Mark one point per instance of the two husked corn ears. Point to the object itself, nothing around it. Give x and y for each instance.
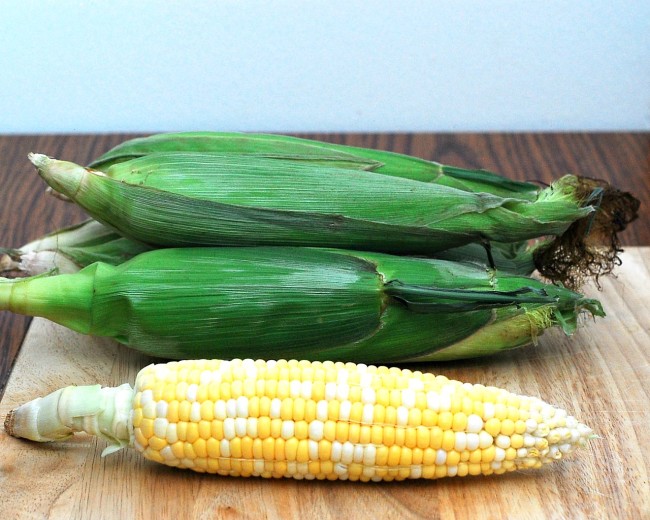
(309, 420)
(311, 303)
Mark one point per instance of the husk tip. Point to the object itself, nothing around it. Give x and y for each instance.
(39, 160)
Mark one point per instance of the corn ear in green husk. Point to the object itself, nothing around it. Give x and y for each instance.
(189, 199)
(72, 248)
(517, 258)
(307, 302)
(318, 152)
(69, 249)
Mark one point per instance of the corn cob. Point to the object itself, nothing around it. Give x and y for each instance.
(298, 302)
(294, 148)
(307, 420)
(178, 199)
(69, 249)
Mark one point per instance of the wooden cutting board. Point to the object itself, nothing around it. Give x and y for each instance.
(601, 375)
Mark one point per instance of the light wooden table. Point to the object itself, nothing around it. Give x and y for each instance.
(601, 374)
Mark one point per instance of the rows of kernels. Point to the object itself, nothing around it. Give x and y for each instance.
(336, 420)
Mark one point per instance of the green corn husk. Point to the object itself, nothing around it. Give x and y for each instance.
(517, 258)
(189, 199)
(306, 302)
(72, 248)
(295, 148)
(514, 258)
(589, 248)
(69, 249)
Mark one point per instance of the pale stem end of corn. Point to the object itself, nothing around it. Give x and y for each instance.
(8, 261)
(39, 262)
(91, 409)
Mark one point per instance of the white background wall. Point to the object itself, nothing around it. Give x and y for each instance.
(88, 66)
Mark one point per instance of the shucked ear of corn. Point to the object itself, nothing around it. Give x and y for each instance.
(187, 199)
(298, 302)
(307, 150)
(300, 419)
(70, 249)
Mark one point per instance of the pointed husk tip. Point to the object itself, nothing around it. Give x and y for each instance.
(39, 160)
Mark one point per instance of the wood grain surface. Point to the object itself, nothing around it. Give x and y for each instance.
(601, 374)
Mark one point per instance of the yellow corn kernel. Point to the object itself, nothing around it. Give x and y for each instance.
(436, 438)
(192, 432)
(137, 417)
(448, 440)
(291, 448)
(200, 448)
(247, 447)
(453, 458)
(445, 420)
(516, 441)
(268, 449)
(342, 431)
(301, 430)
(475, 456)
(184, 409)
(276, 428)
(488, 454)
(354, 433)
(280, 452)
(310, 410)
(459, 422)
(429, 418)
(178, 449)
(365, 435)
(400, 436)
(146, 428)
(394, 455)
(507, 427)
(154, 455)
(493, 426)
(441, 471)
(140, 439)
(212, 448)
(329, 430)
